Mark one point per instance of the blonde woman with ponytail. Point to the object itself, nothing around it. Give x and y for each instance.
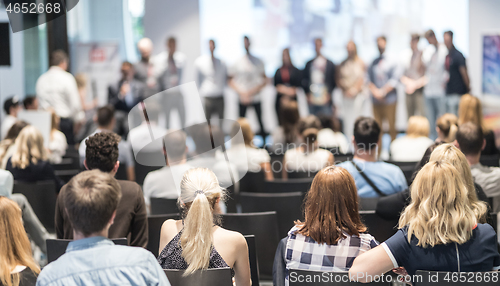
(438, 231)
(196, 242)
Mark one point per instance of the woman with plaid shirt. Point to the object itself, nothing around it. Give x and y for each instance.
(332, 235)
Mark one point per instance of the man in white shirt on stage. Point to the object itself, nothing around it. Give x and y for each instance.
(211, 79)
(57, 89)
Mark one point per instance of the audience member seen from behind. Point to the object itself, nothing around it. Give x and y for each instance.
(438, 231)
(196, 242)
(391, 206)
(245, 155)
(308, 157)
(287, 135)
(17, 267)
(165, 182)
(29, 162)
(286, 80)
(412, 147)
(471, 110)
(332, 228)
(8, 146)
(91, 200)
(105, 123)
(351, 80)
(30, 102)
(470, 140)
(11, 107)
(131, 215)
(380, 178)
(57, 143)
(330, 136)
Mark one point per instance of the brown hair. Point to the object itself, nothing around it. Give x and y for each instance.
(246, 130)
(90, 199)
(471, 110)
(57, 57)
(447, 123)
(331, 207)
(15, 248)
(290, 118)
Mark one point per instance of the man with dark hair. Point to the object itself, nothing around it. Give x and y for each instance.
(434, 58)
(384, 77)
(124, 95)
(105, 120)
(165, 182)
(413, 78)
(458, 82)
(11, 107)
(169, 66)
(319, 82)
(131, 220)
(57, 89)
(470, 140)
(91, 204)
(30, 102)
(373, 178)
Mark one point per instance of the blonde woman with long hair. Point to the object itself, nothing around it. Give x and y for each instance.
(17, 267)
(438, 231)
(196, 242)
(29, 162)
(470, 110)
(451, 154)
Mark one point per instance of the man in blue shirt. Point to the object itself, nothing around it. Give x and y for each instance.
(387, 178)
(91, 199)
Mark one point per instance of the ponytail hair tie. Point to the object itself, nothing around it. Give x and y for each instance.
(198, 192)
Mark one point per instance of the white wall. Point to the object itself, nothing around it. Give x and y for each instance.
(12, 78)
(483, 16)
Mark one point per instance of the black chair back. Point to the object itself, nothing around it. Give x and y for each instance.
(141, 172)
(298, 277)
(342, 158)
(301, 175)
(288, 207)
(163, 206)
(490, 160)
(287, 186)
(252, 256)
(252, 182)
(368, 204)
(494, 220)
(264, 226)
(439, 278)
(380, 228)
(407, 167)
(67, 174)
(42, 198)
(210, 277)
(276, 165)
(57, 247)
(155, 223)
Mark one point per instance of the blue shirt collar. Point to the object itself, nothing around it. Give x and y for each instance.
(87, 243)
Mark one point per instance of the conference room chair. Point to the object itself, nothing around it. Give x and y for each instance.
(252, 182)
(264, 226)
(252, 256)
(494, 220)
(288, 207)
(380, 228)
(42, 198)
(57, 247)
(210, 277)
(339, 158)
(407, 167)
(368, 204)
(155, 223)
(142, 171)
(163, 206)
(301, 175)
(441, 278)
(490, 160)
(298, 277)
(276, 164)
(287, 186)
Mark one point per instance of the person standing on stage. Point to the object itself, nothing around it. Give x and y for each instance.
(319, 82)
(211, 78)
(144, 69)
(169, 65)
(286, 79)
(436, 77)
(248, 78)
(458, 83)
(351, 79)
(413, 79)
(384, 77)
(57, 89)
